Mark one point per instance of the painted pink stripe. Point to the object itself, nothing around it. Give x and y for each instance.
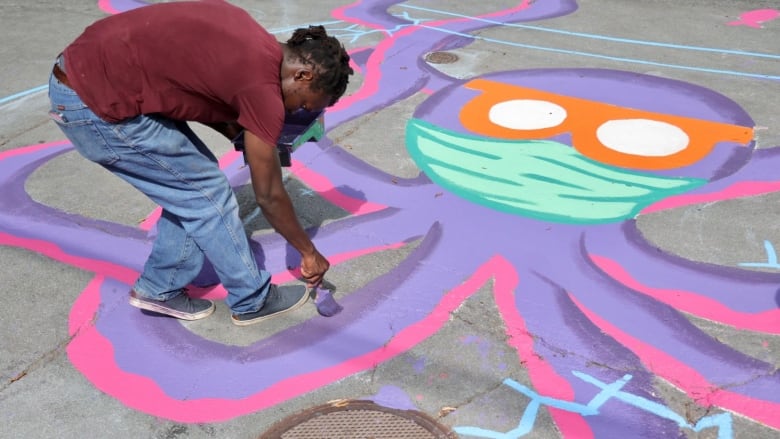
(30, 149)
(544, 378)
(373, 71)
(93, 355)
(317, 181)
(524, 4)
(325, 188)
(115, 271)
(229, 157)
(741, 189)
(755, 18)
(687, 378)
(695, 304)
(107, 7)
(151, 220)
(85, 306)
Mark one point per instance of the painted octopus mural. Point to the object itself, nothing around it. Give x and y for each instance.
(554, 163)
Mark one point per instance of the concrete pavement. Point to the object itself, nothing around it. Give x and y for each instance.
(564, 230)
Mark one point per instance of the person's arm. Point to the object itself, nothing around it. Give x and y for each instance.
(274, 201)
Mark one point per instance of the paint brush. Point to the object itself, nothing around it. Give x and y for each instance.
(325, 303)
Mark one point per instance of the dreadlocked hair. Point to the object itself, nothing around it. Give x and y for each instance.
(314, 46)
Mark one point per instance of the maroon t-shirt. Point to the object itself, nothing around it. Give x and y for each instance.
(204, 61)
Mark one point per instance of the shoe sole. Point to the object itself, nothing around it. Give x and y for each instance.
(270, 316)
(170, 312)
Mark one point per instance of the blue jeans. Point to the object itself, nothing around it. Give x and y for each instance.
(166, 161)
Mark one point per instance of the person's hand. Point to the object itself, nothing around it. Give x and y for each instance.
(313, 268)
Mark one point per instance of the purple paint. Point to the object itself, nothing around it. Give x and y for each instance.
(419, 365)
(326, 304)
(393, 397)
(553, 261)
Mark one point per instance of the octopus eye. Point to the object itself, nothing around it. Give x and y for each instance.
(642, 137)
(607, 133)
(527, 114)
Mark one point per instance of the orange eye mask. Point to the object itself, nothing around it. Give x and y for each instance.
(610, 134)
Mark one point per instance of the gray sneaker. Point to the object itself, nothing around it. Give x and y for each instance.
(278, 301)
(182, 306)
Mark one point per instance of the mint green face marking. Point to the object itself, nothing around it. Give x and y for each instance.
(535, 178)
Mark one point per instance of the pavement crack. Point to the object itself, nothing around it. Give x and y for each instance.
(47, 356)
(43, 359)
(561, 352)
(449, 409)
(746, 381)
(350, 131)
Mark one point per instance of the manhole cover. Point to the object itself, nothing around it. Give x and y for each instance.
(358, 420)
(441, 57)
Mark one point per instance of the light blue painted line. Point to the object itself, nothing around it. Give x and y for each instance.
(528, 420)
(525, 426)
(23, 94)
(608, 392)
(611, 58)
(771, 257)
(722, 422)
(719, 421)
(599, 37)
(552, 402)
(637, 401)
(481, 432)
(304, 192)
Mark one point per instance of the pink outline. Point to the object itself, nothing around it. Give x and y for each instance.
(544, 378)
(316, 181)
(755, 18)
(692, 303)
(83, 311)
(53, 251)
(687, 378)
(93, 355)
(323, 186)
(107, 7)
(30, 149)
(736, 190)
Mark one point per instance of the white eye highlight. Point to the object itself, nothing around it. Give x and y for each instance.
(642, 137)
(527, 114)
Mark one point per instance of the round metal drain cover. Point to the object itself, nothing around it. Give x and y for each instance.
(358, 420)
(441, 57)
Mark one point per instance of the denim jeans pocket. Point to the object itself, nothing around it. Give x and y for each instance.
(84, 129)
(84, 135)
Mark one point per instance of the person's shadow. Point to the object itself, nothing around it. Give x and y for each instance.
(313, 210)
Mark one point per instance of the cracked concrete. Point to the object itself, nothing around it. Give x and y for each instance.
(458, 374)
